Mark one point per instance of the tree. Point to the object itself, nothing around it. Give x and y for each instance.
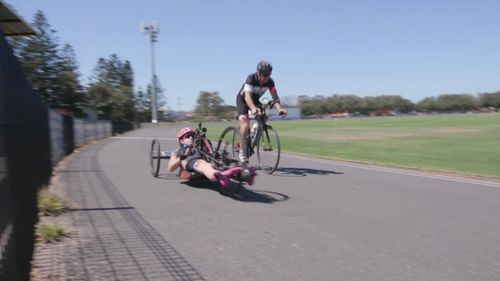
(101, 97)
(111, 90)
(490, 99)
(227, 112)
(379, 105)
(209, 104)
(345, 103)
(456, 102)
(312, 106)
(397, 103)
(142, 106)
(160, 98)
(69, 91)
(39, 59)
(53, 72)
(427, 104)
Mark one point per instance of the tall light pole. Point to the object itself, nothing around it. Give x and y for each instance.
(153, 31)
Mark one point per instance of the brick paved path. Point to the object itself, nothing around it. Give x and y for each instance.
(112, 241)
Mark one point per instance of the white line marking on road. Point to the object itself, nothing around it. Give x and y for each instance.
(395, 171)
(142, 138)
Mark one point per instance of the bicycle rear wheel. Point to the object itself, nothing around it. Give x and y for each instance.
(155, 157)
(228, 146)
(268, 150)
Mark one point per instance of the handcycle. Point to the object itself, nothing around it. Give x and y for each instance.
(262, 139)
(219, 158)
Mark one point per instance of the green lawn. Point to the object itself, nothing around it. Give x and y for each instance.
(464, 143)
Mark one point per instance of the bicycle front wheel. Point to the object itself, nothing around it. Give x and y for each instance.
(268, 150)
(228, 146)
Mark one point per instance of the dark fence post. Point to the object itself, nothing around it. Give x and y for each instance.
(69, 137)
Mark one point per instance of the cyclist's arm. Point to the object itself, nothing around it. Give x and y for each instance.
(174, 162)
(276, 98)
(249, 101)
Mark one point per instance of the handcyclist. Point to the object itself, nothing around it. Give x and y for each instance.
(255, 86)
(191, 160)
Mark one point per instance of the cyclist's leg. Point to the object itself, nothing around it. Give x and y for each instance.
(244, 124)
(202, 166)
(243, 108)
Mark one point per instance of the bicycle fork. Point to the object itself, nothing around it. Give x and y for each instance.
(265, 140)
(249, 146)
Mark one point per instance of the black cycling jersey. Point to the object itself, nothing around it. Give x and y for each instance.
(253, 86)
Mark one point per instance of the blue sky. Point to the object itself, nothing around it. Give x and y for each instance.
(414, 49)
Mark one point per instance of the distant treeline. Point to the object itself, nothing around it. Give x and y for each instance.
(382, 105)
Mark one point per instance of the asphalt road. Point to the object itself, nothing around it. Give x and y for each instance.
(315, 219)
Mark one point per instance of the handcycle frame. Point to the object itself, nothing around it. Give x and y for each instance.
(261, 140)
(219, 159)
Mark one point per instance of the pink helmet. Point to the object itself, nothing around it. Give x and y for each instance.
(184, 131)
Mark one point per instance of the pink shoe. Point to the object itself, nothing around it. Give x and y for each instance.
(232, 171)
(253, 170)
(251, 179)
(223, 179)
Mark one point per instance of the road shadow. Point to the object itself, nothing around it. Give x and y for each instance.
(302, 172)
(262, 196)
(101, 209)
(238, 192)
(168, 176)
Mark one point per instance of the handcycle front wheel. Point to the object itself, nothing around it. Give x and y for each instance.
(268, 150)
(155, 157)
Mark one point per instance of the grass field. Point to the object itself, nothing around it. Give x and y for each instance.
(461, 143)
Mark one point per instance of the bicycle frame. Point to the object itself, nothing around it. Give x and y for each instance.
(265, 142)
(261, 128)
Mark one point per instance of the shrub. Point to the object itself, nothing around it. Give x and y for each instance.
(51, 232)
(51, 204)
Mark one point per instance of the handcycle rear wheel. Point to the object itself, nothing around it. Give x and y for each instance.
(268, 150)
(155, 157)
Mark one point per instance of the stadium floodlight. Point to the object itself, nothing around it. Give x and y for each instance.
(153, 31)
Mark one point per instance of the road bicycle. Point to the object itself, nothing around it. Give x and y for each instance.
(263, 139)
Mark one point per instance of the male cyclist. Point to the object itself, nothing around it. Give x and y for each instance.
(255, 86)
(192, 161)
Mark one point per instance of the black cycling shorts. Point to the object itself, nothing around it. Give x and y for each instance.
(242, 106)
(191, 160)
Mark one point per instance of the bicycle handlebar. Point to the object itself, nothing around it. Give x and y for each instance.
(269, 105)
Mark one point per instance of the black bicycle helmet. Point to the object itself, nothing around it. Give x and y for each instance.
(264, 67)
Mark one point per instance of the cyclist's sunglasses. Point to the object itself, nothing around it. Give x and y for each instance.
(265, 75)
(188, 135)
